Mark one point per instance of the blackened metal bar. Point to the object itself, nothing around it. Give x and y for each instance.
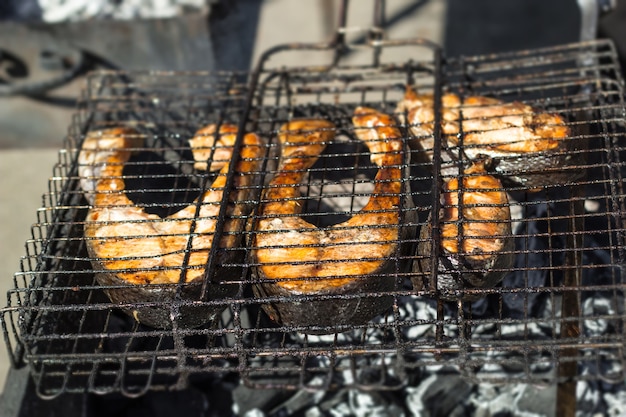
(570, 308)
(377, 32)
(616, 183)
(379, 14)
(339, 43)
(340, 36)
(400, 254)
(209, 275)
(435, 188)
(32, 321)
(16, 354)
(239, 347)
(460, 187)
(464, 326)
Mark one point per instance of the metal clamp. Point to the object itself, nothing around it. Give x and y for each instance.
(591, 11)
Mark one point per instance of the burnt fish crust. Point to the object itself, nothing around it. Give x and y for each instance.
(162, 297)
(476, 242)
(139, 257)
(527, 147)
(333, 276)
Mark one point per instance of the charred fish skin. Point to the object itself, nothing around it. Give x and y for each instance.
(331, 277)
(155, 305)
(139, 258)
(476, 241)
(528, 147)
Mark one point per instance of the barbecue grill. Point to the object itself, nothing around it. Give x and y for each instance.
(557, 317)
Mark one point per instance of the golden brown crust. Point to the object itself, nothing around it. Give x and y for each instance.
(207, 145)
(487, 123)
(485, 215)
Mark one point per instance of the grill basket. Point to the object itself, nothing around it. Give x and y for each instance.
(557, 316)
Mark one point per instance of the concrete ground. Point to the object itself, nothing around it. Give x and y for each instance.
(29, 145)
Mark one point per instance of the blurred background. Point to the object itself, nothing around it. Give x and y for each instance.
(47, 47)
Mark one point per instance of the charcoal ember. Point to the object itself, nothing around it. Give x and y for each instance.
(439, 395)
(502, 366)
(248, 401)
(314, 411)
(602, 304)
(357, 403)
(340, 410)
(323, 339)
(370, 371)
(615, 403)
(595, 307)
(521, 331)
(335, 403)
(536, 330)
(411, 308)
(491, 369)
(603, 373)
(505, 366)
(374, 334)
(372, 404)
(611, 369)
(255, 412)
(511, 400)
(536, 400)
(588, 398)
(300, 400)
(484, 329)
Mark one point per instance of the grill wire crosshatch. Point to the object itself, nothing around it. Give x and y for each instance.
(560, 304)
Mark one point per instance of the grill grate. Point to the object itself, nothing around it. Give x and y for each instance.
(560, 305)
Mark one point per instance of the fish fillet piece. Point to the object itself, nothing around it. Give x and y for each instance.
(520, 139)
(139, 247)
(289, 248)
(476, 241)
(486, 216)
(353, 263)
(486, 123)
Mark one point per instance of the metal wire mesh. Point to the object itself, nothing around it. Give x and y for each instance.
(557, 314)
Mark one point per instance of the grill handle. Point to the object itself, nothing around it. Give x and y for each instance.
(375, 33)
(590, 12)
(375, 40)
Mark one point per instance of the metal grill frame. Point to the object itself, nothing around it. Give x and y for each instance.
(457, 75)
(138, 359)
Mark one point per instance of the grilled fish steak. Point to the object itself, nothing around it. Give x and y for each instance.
(526, 146)
(476, 243)
(138, 250)
(358, 256)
